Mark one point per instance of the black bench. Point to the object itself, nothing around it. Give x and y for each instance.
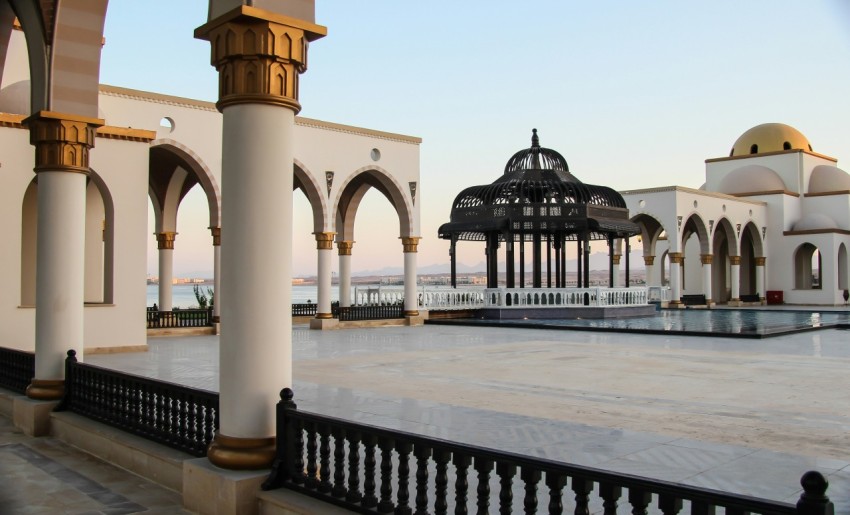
(694, 300)
(750, 298)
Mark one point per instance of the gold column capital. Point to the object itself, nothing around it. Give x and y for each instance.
(648, 260)
(410, 244)
(735, 260)
(165, 240)
(259, 55)
(216, 236)
(324, 240)
(616, 259)
(62, 141)
(344, 247)
(677, 257)
(760, 261)
(706, 259)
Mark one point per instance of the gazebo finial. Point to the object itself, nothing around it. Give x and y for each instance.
(535, 141)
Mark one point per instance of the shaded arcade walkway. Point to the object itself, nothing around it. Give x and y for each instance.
(746, 416)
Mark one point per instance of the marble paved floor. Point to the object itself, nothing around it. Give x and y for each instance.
(42, 476)
(745, 416)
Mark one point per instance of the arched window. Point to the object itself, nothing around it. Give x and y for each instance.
(807, 267)
(786, 146)
(754, 149)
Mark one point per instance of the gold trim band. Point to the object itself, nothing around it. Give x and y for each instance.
(216, 236)
(324, 240)
(46, 389)
(648, 260)
(344, 247)
(735, 260)
(62, 141)
(760, 261)
(324, 316)
(615, 259)
(410, 244)
(165, 240)
(706, 259)
(233, 453)
(411, 313)
(677, 257)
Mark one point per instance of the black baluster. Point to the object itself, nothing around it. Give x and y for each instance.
(483, 466)
(582, 488)
(403, 450)
(386, 504)
(339, 463)
(702, 508)
(369, 498)
(422, 453)
(530, 477)
(353, 495)
(461, 463)
(610, 494)
(312, 464)
(173, 411)
(639, 501)
(297, 463)
(813, 500)
(506, 473)
(192, 421)
(160, 413)
(669, 505)
(441, 481)
(325, 485)
(556, 483)
(210, 422)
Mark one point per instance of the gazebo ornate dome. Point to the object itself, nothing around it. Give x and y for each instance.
(828, 179)
(751, 179)
(770, 137)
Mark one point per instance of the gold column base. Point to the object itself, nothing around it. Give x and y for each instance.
(324, 316)
(413, 313)
(229, 452)
(216, 319)
(675, 303)
(46, 389)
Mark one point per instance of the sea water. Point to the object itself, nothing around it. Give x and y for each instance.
(183, 295)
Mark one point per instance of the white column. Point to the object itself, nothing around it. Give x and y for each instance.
(62, 144)
(675, 278)
(165, 246)
(735, 279)
(345, 248)
(649, 263)
(411, 302)
(216, 234)
(760, 262)
(616, 269)
(324, 249)
(706, 260)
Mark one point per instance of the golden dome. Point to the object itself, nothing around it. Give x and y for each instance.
(770, 137)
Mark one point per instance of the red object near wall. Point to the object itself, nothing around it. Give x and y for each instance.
(775, 297)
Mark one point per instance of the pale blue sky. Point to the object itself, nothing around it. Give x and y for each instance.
(633, 94)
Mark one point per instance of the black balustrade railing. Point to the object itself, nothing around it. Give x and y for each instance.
(179, 318)
(304, 310)
(355, 313)
(368, 469)
(183, 418)
(17, 368)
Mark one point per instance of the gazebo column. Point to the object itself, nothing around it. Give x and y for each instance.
(345, 272)
(586, 260)
(62, 143)
(735, 280)
(649, 263)
(165, 247)
(760, 262)
(579, 260)
(628, 263)
(216, 235)
(548, 260)
(611, 261)
(615, 270)
(324, 254)
(411, 300)
(258, 98)
(522, 261)
(509, 260)
(453, 260)
(537, 259)
(676, 259)
(558, 249)
(563, 261)
(706, 260)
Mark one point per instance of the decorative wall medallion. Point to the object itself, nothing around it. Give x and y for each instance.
(329, 179)
(413, 192)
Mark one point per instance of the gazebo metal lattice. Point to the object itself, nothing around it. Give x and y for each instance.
(538, 200)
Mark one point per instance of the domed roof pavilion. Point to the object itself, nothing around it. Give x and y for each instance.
(538, 200)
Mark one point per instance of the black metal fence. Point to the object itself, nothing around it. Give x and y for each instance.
(179, 318)
(368, 470)
(177, 416)
(354, 313)
(304, 310)
(17, 368)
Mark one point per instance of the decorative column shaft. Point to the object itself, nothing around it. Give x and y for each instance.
(411, 301)
(676, 260)
(324, 249)
(62, 144)
(345, 248)
(165, 244)
(706, 260)
(615, 270)
(258, 55)
(216, 236)
(735, 277)
(760, 262)
(649, 263)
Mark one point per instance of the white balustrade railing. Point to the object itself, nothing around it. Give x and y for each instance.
(564, 297)
(659, 293)
(428, 298)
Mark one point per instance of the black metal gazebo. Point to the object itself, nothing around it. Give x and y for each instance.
(538, 200)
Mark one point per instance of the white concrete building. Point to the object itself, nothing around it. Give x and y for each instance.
(773, 216)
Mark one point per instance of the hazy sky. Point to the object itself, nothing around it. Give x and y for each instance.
(633, 94)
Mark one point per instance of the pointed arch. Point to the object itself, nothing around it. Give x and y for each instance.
(194, 164)
(843, 268)
(355, 187)
(305, 181)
